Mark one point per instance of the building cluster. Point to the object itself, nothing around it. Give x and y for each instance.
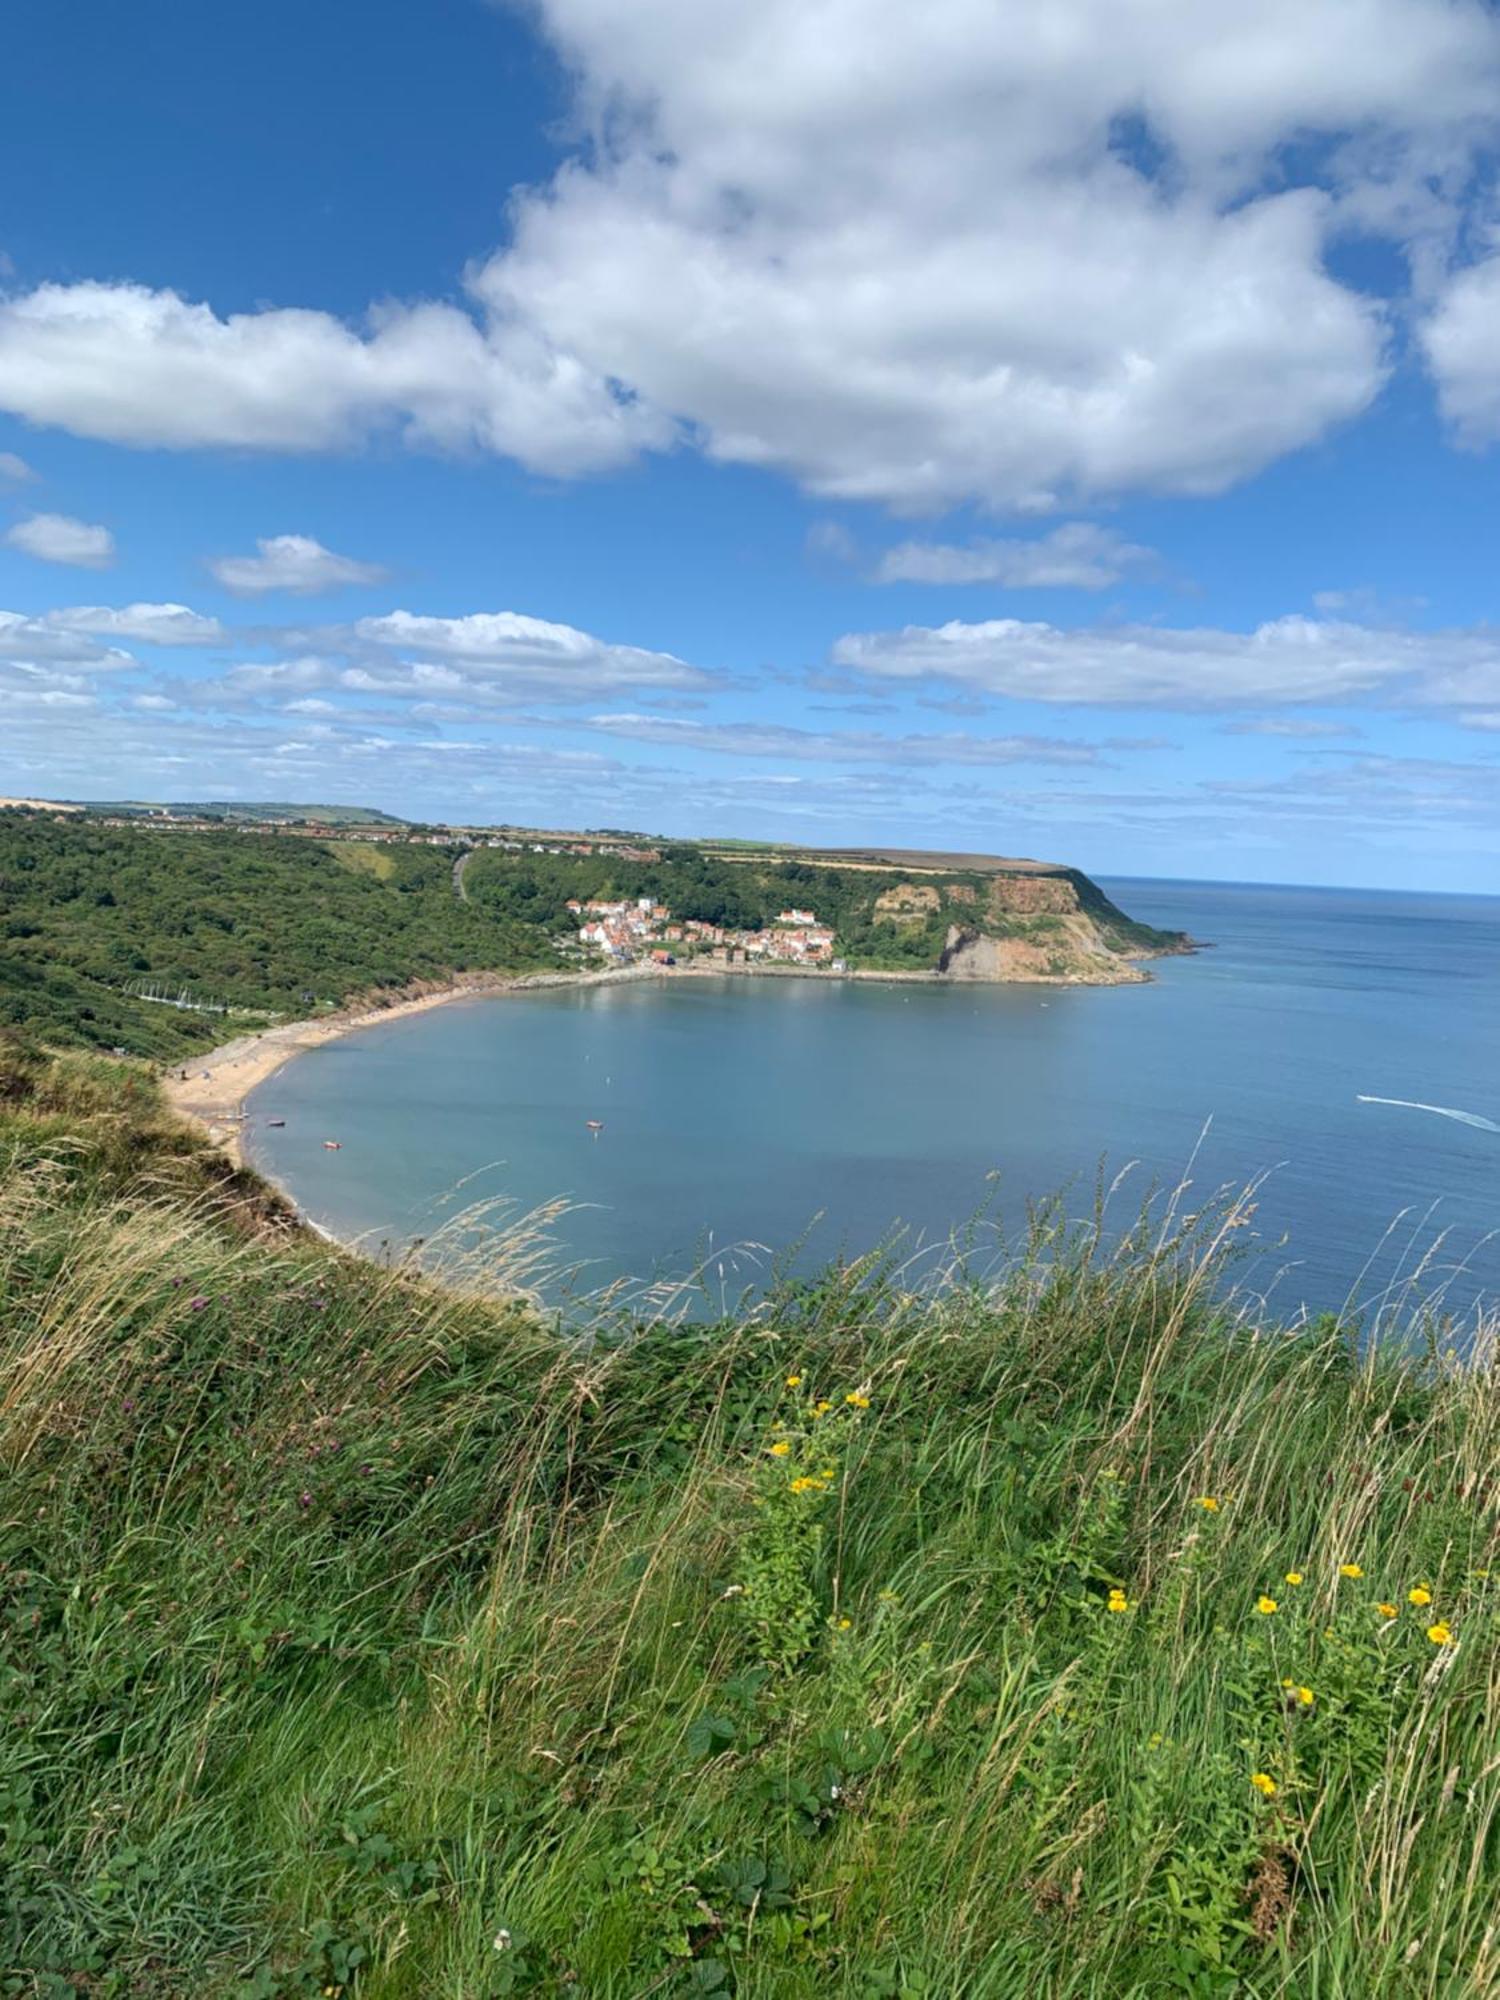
(624, 931)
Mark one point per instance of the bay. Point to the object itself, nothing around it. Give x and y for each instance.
(811, 1116)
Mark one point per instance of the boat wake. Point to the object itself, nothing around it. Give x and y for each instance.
(1438, 1111)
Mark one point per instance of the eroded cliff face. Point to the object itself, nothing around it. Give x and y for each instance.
(1049, 925)
(1072, 953)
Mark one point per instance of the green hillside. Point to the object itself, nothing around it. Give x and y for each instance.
(277, 926)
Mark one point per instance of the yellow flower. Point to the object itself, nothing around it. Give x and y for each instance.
(1421, 1595)
(1350, 1570)
(844, 1624)
(1118, 1601)
(806, 1485)
(1264, 1785)
(1386, 1610)
(858, 1401)
(1440, 1634)
(1208, 1504)
(794, 1381)
(821, 1409)
(781, 1449)
(1294, 1577)
(1306, 1697)
(1266, 1605)
(827, 1471)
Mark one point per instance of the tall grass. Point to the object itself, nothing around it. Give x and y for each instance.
(362, 1634)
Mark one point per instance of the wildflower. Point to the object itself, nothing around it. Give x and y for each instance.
(1440, 1634)
(502, 1940)
(1266, 1605)
(843, 1624)
(1208, 1504)
(1118, 1601)
(806, 1485)
(304, 1499)
(1421, 1595)
(888, 1597)
(1386, 1610)
(1264, 1785)
(1294, 1577)
(1351, 1570)
(781, 1449)
(857, 1400)
(196, 1305)
(821, 1409)
(1306, 1697)
(794, 1381)
(827, 1471)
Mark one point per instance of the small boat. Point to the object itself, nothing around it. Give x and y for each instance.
(275, 1121)
(595, 1125)
(332, 1145)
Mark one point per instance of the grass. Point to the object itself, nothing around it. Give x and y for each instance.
(364, 1636)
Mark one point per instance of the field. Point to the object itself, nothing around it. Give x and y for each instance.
(1061, 1636)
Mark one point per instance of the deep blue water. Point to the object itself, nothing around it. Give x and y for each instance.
(749, 1110)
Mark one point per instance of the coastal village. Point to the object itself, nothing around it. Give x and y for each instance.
(627, 931)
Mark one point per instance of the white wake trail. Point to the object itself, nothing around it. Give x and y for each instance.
(1438, 1111)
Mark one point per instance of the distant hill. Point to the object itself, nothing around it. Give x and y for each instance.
(237, 812)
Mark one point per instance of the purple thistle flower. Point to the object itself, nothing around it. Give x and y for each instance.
(304, 1499)
(197, 1304)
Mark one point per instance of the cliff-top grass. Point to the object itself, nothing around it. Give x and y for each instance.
(1063, 1631)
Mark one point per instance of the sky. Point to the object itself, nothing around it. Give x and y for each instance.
(1060, 427)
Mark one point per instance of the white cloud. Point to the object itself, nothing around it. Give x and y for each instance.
(58, 538)
(294, 563)
(761, 739)
(38, 639)
(1079, 555)
(140, 367)
(913, 255)
(1462, 342)
(1288, 660)
(145, 624)
(1302, 727)
(14, 468)
(484, 660)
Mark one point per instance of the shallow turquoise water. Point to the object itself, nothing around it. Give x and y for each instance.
(739, 1111)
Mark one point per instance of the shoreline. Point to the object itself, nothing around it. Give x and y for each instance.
(209, 1090)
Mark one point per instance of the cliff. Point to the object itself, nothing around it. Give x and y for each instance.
(1033, 924)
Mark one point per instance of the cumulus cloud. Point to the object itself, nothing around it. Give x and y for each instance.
(144, 624)
(1079, 555)
(764, 739)
(142, 367)
(293, 563)
(15, 469)
(1462, 341)
(480, 660)
(910, 255)
(58, 538)
(1288, 660)
(39, 639)
(1300, 727)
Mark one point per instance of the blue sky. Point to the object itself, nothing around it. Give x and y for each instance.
(1062, 429)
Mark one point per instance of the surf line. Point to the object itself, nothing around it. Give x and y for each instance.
(1438, 1110)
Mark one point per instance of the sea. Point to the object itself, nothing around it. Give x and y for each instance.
(1336, 1051)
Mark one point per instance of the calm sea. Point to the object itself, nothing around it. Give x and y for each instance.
(782, 1112)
